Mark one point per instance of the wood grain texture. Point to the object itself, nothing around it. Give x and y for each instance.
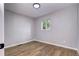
(35, 48)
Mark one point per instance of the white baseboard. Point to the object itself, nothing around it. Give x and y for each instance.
(17, 44)
(43, 42)
(58, 45)
(1, 52)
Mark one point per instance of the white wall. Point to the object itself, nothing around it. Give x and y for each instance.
(78, 28)
(63, 27)
(1, 28)
(18, 29)
(1, 24)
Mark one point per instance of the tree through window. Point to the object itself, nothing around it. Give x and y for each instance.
(45, 25)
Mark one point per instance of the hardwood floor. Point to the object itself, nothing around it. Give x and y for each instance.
(35, 48)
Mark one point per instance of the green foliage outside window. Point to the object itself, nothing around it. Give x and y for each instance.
(45, 24)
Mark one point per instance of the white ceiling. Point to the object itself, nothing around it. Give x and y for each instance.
(28, 10)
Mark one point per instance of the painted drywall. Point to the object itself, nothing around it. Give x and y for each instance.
(1, 28)
(1, 24)
(78, 26)
(28, 10)
(63, 27)
(18, 29)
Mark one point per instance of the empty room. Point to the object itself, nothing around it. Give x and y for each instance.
(41, 29)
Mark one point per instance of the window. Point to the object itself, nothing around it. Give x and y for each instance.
(45, 25)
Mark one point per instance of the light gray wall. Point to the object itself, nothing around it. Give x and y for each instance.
(1, 27)
(1, 24)
(63, 27)
(18, 29)
(78, 27)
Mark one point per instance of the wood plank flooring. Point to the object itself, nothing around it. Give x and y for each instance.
(35, 48)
